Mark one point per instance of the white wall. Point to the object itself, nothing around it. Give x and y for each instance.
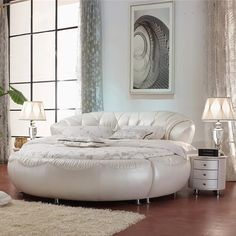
(190, 62)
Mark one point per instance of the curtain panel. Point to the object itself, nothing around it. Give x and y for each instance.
(222, 66)
(4, 80)
(90, 59)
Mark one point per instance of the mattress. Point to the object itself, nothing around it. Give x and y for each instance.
(54, 152)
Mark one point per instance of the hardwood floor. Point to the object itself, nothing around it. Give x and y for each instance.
(165, 216)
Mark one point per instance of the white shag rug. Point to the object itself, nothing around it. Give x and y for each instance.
(35, 218)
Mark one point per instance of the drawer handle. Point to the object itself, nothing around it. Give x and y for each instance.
(204, 174)
(204, 164)
(204, 184)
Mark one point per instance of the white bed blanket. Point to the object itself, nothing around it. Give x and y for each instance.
(50, 149)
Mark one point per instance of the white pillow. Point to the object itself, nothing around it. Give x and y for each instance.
(88, 131)
(4, 198)
(158, 132)
(131, 134)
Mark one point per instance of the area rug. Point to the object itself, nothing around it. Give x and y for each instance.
(35, 218)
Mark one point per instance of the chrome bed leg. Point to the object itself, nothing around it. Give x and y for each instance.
(148, 200)
(138, 202)
(57, 201)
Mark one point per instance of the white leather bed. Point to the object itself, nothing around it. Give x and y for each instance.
(122, 170)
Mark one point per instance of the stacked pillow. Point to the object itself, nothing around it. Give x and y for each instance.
(88, 131)
(125, 132)
(139, 132)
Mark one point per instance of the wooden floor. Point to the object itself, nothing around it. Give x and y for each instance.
(165, 216)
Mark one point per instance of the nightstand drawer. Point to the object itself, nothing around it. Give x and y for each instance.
(205, 174)
(205, 184)
(210, 165)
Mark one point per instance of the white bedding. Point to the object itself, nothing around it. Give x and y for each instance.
(50, 149)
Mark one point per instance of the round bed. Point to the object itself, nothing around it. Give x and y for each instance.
(106, 179)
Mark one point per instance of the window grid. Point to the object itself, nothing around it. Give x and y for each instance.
(32, 82)
(44, 81)
(45, 31)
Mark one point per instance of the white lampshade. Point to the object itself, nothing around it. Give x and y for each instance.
(32, 111)
(218, 109)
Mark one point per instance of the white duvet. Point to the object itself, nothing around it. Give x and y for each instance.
(45, 149)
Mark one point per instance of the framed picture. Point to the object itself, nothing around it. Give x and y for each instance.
(151, 49)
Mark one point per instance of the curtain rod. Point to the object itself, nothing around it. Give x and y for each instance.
(12, 2)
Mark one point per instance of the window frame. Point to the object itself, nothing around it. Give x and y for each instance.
(32, 82)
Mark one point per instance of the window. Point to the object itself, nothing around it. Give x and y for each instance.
(43, 57)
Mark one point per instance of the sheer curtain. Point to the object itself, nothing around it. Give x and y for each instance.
(90, 61)
(222, 66)
(4, 102)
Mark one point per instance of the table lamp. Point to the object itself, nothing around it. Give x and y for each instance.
(32, 111)
(218, 110)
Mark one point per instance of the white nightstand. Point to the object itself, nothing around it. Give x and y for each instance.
(207, 173)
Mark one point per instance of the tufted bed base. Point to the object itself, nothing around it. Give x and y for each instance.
(107, 180)
(120, 180)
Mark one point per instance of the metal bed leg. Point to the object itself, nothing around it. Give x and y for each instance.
(57, 201)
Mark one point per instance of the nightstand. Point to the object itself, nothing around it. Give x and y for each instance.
(207, 173)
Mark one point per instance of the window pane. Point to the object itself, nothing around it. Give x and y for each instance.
(43, 15)
(68, 94)
(45, 92)
(61, 114)
(20, 18)
(43, 127)
(25, 89)
(44, 56)
(18, 127)
(20, 59)
(67, 54)
(68, 12)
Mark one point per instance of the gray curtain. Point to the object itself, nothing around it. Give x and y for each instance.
(4, 80)
(222, 66)
(91, 56)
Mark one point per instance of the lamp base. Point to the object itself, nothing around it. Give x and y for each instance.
(32, 130)
(218, 134)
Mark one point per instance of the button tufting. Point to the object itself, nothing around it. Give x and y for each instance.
(177, 126)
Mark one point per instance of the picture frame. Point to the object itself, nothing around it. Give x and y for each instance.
(152, 48)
